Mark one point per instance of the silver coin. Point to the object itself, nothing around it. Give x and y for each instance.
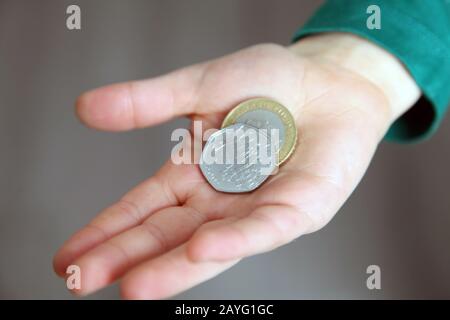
(238, 158)
(264, 119)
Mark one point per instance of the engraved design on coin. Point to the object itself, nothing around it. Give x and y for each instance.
(266, 113)
(237, 159)
(264, 119)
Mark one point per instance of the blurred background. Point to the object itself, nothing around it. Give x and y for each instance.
(55, 174)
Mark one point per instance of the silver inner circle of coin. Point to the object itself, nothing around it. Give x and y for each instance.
(264, 119)
(238, 158)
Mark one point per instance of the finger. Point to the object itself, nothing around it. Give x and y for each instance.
(168, 275)
(141, 103)
(264, 229)
(161, 232)
(158, 192)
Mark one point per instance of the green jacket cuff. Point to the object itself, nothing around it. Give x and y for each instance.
(418, 33)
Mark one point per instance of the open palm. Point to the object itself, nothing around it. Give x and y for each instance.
(174, 230)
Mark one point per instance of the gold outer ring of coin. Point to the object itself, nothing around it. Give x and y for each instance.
(290, 138)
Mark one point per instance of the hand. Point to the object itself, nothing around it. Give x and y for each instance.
(174, 230)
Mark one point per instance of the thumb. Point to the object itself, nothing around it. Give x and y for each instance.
(141, 103)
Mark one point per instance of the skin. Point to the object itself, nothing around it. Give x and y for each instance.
(165, 236)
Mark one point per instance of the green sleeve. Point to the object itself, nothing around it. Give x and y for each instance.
(415, 31)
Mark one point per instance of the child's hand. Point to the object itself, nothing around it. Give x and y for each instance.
(174, 230)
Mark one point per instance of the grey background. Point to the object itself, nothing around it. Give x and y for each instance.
(55, 174)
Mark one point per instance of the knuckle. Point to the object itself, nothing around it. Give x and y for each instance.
(130, 209)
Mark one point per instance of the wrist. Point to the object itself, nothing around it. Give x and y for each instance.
(367, 60)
